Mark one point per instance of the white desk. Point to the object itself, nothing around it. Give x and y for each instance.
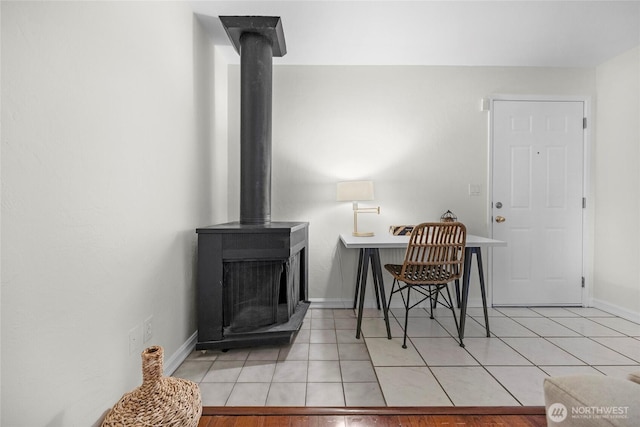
(369, 253)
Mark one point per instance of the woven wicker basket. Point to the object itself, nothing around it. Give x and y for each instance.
(159, 401)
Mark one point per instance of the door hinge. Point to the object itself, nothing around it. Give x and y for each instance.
(583, 281)
(584, 203)
(584, 123)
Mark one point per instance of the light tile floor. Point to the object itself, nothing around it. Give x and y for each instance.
(327, 366)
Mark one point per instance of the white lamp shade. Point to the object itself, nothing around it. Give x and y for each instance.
(352, 191)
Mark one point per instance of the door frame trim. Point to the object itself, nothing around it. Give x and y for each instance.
(587, 214)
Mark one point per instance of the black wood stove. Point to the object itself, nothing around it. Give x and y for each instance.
(252, 278)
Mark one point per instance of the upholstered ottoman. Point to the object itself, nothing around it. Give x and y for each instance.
(592, 400)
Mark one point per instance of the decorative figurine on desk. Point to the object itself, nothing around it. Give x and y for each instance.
(448, 216)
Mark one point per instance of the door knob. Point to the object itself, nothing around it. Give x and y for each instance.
(500, 219)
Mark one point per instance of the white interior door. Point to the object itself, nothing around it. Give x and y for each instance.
(537, 193)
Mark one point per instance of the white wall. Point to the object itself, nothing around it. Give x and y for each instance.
(106, 173)
(617, 185)
(107, 168)
(402, 127)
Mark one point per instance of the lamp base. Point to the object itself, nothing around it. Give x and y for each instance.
(363, 233)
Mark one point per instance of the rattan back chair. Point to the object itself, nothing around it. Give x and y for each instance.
(433, 259)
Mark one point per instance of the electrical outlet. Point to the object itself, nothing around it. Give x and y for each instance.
(148, 328)
(135, 340)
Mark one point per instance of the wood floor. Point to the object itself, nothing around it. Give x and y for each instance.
(378, 417)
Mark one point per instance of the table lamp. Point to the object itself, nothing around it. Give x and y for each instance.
(355, 191)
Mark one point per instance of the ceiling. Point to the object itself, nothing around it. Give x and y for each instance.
(483, 33)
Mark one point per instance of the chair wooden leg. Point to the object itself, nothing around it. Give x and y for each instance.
(406, 317)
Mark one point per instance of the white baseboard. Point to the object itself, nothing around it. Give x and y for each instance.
(334, 303)
(369, 303)
(176, 359)
(616, 309)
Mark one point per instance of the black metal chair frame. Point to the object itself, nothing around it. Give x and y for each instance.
(431, 295)
(428, 289)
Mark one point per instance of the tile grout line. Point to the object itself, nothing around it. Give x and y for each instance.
(425, 362)
(550, 316)
(489, 372)
(569, 337)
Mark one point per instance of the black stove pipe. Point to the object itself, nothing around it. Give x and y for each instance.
(255, 128)
(257, 39)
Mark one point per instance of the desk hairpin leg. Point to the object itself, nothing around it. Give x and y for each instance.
(468, 253)
(363, 271)
(363, 288)
(483, 291)
(380, 285)
(377, 276)
(358, 277)
(371, 255)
